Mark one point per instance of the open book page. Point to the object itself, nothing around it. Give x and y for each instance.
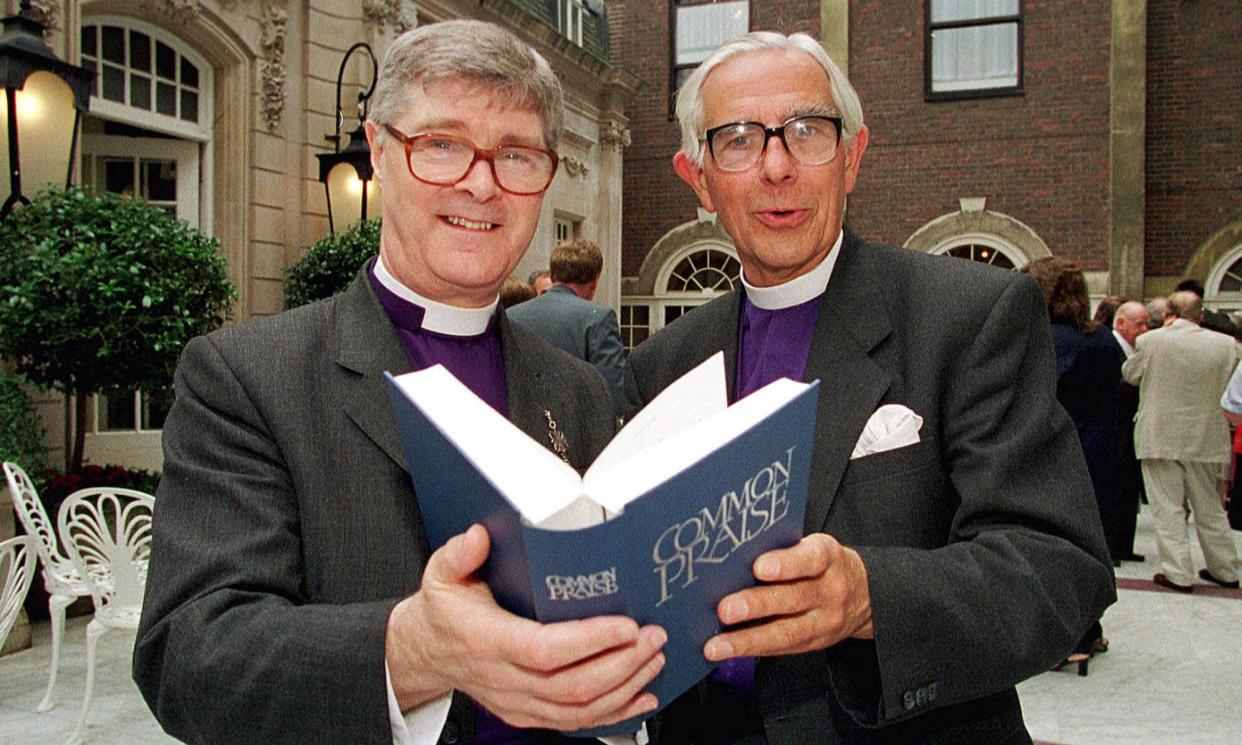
(535, 481)
(618, 485)
(691, 398)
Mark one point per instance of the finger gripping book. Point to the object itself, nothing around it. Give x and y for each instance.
(667, 521)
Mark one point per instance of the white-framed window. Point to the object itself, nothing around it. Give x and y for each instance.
(144, 72)
(569, 19)
(565, 229)
(690, 278)
(699, 27)
(1223, 289)
(973, 48)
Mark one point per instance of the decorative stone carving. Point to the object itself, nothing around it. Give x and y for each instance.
(575, 167)
(614, 134)
(176, 11)
(381, 13)
(44, 11)
(272, 69)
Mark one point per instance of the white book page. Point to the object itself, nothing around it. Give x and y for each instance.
(620, 484)
(691, 398)
(536, 481)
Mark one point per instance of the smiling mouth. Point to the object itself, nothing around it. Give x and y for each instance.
(462, 222)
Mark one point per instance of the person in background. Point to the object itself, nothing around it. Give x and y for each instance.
(292, 596)
(1182, 441)
(1213, 320)
(1231, 402)
(1158, 312)
(1129, 322)
(566, 318)
(965, 526)
(515, 290)
(1107, 308)
(1088, 385)
(541, 280)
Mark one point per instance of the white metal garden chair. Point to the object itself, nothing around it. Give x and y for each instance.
(60, 578)
(17, 563)
(107, 532)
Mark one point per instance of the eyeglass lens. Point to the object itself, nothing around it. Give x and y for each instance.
(446, 160)
(811, 140)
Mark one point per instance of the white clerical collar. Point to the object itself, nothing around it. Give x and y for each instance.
(799, 289)
(439, 318)
(1125, 345)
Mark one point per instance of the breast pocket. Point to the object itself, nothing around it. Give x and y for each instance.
(894, 498)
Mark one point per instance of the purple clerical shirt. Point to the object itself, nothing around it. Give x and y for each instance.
(475, 360)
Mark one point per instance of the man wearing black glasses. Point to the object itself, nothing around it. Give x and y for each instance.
(292, 596)
(952, 546)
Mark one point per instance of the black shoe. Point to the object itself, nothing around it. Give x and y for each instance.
(1205, 574)
(1164, 581)
(1133, 557)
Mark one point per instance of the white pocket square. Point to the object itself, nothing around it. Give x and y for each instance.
(892, 426)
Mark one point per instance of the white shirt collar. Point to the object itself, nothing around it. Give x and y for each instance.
(799, 289)
(1125, 345)
(439, 318)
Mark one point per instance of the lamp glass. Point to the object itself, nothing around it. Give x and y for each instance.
(345, 196)
(45, 122)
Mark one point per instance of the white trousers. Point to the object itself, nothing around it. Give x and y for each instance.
(1171, 486)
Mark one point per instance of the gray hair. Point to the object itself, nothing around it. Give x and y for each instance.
(475, 51)
(690, 98)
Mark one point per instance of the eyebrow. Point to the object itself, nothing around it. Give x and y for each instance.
(818, 109)
(448, 125)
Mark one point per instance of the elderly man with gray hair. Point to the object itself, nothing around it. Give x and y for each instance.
(292, 595)
(951, 543)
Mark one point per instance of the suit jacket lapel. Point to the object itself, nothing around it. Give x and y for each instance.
(366, 344)
(524, 382)
(852, 321)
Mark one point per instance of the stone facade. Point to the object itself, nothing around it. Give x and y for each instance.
(274, 66)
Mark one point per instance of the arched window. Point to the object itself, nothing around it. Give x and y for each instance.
(981, 252)
(1224, 285)
(689, 278)
(986, 249)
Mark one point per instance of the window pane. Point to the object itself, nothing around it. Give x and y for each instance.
(702, 28)
(155, 408)
(139, 91)
(88, 41)
(975, 58)
(116, 412)
(160, 179)
(166, 98)
(165, 61)
(189, 73)
(189, 106)
(139, 51)
(119, 176)
(114, 84)
(961, 10)
(114, 44)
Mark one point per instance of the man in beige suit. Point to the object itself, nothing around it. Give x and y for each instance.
(1182, 439)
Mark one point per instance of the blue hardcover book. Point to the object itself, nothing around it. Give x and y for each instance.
(668, 520)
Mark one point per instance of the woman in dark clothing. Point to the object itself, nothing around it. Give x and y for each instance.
(1088, 385)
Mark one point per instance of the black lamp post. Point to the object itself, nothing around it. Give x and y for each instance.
(346, 174)
(44, 98)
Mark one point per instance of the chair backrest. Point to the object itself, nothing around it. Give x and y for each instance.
(107, 531)
(34, 518)
(17, 563)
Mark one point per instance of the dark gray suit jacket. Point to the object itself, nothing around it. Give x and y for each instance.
(581, 328)
(985, 560)
(286, 527)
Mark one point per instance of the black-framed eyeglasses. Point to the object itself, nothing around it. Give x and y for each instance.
(444, 160)
(811, 140)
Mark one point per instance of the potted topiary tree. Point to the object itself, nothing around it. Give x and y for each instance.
(331, 264)
(101, 292)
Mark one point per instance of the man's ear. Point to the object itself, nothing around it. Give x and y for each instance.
(377, 149)
(692, 174)
(853, 158)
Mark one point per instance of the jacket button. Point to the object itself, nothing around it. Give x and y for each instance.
(451, 734)
(908, 701)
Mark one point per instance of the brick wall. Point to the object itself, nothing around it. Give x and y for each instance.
(1194, 92)
(1041, 157)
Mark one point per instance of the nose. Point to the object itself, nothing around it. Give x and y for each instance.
(776, 163)
(479, 181)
